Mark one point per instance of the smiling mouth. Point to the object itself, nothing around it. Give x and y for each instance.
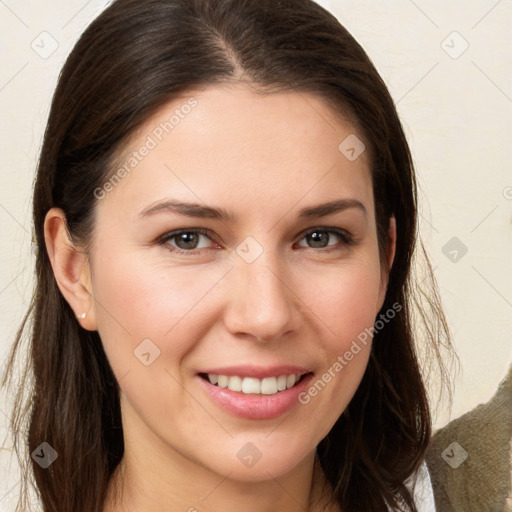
(252, 385)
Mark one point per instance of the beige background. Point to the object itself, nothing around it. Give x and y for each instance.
(457, 110)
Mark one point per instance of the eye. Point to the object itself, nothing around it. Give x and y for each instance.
(319, 237)
(186, 240)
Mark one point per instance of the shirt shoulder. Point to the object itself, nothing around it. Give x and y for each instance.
(423, 491)
(421, 486)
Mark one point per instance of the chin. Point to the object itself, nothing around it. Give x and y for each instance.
(257, 458)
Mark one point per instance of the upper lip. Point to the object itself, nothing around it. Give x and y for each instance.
(258, 372)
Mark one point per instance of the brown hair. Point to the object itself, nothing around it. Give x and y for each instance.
(136, 56)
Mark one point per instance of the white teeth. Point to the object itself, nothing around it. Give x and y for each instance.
(281, 382)
(290, 381)
(269, 386)
(235, 383)
(251, 385)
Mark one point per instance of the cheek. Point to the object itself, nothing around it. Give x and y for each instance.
(346, 300)
(345, 304)
(136, 301)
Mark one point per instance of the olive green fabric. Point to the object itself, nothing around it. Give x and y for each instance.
(470, 459)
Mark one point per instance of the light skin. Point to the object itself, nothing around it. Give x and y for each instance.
(263, 158)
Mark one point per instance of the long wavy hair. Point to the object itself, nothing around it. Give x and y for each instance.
(133, 58)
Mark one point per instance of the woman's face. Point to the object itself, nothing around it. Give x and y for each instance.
(276, 285)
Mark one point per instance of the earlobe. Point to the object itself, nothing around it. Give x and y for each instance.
(70, 267)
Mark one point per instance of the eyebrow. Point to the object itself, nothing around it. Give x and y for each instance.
(201, 211)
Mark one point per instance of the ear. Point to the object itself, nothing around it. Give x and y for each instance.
(386, 268)
(70, 267)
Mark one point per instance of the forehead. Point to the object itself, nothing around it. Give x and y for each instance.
(229, 143)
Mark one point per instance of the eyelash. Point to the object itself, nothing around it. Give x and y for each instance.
(346, 238)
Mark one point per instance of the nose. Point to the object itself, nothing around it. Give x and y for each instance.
(261, 304)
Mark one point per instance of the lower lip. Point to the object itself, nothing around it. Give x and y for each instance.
(255, 406)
